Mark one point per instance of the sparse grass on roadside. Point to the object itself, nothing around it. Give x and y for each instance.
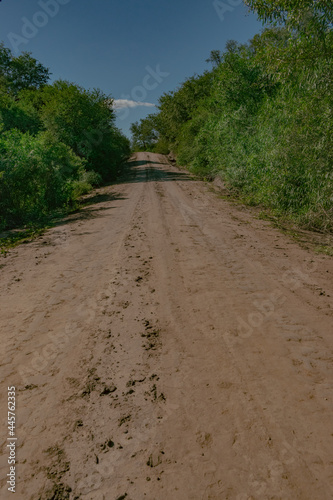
(11, 239)
(325, 249)
(321, 242)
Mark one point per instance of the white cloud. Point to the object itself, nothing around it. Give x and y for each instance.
(127, 103)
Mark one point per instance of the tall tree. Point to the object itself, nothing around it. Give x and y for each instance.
(144, 134)
(21, 72)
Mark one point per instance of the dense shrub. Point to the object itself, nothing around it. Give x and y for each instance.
(20, 115)
(37, 176)
(56, 141)
(84, 121)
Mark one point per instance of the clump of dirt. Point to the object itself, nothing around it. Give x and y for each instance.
(108, 390)
(58, 491)
(59, 466)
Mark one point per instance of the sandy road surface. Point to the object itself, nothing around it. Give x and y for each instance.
(166, 345)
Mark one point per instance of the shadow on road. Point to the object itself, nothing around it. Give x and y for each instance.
(101, 198)
(91, 208)
(135, 173)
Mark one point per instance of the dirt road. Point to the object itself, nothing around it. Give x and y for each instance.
(167, 345)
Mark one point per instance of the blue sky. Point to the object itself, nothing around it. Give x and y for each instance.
(132, 49)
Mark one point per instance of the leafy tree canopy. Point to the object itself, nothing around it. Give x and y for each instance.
(144, 135)
(293, 11)
(21, 72)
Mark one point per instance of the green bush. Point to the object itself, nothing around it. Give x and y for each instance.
(282, 157)
(37, 175)
(84, 121)
(161, 147)
(15, 114)
(56, 141)
(85, 183)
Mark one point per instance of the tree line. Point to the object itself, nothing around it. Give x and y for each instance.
(261, 118)
(57, 141)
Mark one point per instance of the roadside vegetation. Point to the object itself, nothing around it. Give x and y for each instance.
(262, 117)
(56, 141)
